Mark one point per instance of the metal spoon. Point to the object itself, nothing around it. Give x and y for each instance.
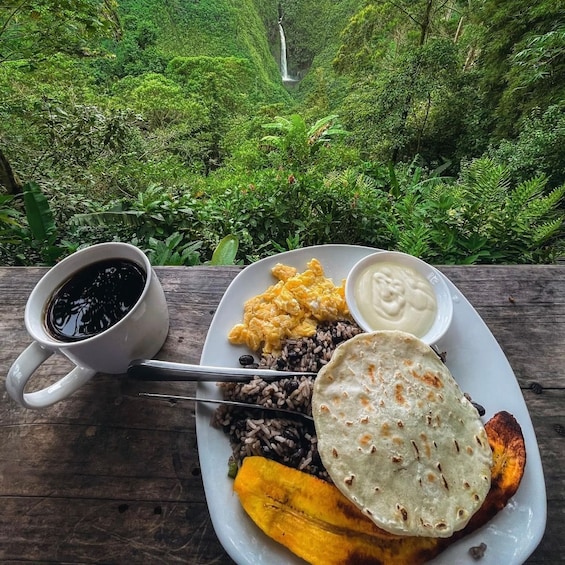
(154, 370)
(173, 398)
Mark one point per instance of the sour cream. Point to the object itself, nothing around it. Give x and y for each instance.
(390, 296)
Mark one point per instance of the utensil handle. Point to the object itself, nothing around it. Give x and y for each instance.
(246, 405)
(154, 370)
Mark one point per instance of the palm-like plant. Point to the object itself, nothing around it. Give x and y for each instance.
(296, 142)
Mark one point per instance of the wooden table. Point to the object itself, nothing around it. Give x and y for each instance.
(109, 477)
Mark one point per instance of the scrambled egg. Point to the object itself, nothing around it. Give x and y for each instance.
(291, 308)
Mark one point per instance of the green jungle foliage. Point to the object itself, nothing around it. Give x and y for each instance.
(431, 127)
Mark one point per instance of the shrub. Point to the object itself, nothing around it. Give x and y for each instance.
(539, 148)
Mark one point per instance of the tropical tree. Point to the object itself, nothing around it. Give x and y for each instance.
(225, 87)
(161, 101)
(406, 59)
(35, 29)
(522, 60)
(538, 149)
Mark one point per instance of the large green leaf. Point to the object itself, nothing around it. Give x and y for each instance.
(39, 215)
(226, 251)
(110, 217)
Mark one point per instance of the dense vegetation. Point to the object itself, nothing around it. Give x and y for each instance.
(430, 126)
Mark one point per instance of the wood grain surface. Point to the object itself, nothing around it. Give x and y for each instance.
(109, 477)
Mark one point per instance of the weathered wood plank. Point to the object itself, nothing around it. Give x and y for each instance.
(524, 307)
(107, 531)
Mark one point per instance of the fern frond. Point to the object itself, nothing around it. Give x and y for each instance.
(349, 178)
(556, 195)
(415, 240)
(524, 193)
(547, 230)
(539, 208)
(436, 190)
(365, 182)
(346, 178)
(551, 200)
(487, 181)
(430, 185)
(332, 178)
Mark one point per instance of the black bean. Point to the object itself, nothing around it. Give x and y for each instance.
(290, 386)
(478, 551)
(246, 360)
(335, 338)
(281, 363)
(479, 408)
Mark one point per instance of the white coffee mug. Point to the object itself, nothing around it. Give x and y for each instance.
(139, 334)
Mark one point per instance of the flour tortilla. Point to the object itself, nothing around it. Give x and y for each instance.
(398, 437)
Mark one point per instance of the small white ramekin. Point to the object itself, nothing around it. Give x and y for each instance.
(444, 312)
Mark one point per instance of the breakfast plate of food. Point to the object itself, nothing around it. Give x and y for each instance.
(418, 452)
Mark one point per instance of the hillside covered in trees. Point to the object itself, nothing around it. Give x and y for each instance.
(435, 127)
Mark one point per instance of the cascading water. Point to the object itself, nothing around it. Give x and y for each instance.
(284, 69)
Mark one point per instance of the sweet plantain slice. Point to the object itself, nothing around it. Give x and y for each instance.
(508, 464)
(319, 524)
(314, 520)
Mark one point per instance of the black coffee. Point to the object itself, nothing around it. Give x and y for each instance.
(94, 299)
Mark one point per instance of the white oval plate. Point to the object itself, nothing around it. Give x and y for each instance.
(474, 358)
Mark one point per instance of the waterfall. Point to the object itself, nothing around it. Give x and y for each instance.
(284, 68)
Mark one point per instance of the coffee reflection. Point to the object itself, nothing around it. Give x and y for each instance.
(94, 299)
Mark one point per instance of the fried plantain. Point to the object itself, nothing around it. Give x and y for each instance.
(315, 521)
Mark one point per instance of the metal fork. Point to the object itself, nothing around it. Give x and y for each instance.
(276, 409)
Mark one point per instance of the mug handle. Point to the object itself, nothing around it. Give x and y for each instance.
(23, 368)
